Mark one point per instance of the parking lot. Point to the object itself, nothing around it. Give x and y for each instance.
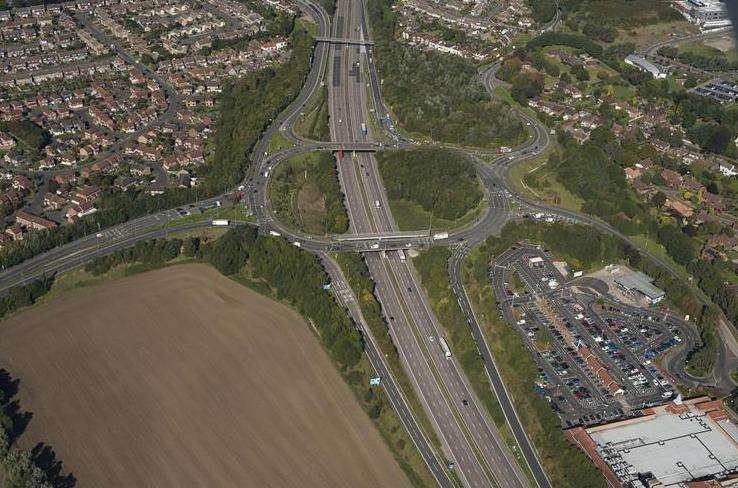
(596, 356)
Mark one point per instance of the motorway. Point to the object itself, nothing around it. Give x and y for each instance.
(468, 435)
(470, 438)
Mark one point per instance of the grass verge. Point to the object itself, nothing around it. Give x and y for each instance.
(564, 463)
(432, 267)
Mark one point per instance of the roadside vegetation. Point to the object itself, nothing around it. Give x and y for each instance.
(436, 95)
(305, 193)
(37, 467)
(248, 106)
(616, 13)
(357, 274)
(430, 186)
(313, 124)
(274, 268)
(432, 265)
(701, 56)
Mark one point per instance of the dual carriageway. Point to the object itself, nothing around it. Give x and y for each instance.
(343, 59)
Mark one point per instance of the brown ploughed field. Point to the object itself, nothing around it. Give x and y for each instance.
(182, 377)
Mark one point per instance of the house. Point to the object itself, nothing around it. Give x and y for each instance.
(633, 173)
(5, 239)
(679, 208)
(6, 142)
(15, 232)
(693, 186)
(65, 177)
(52, 201)
(88, 194)
(80, 210)
(715, 202)
(33, 222)
(22, 183)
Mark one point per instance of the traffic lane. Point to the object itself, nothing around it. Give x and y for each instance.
(88, 253)
(479, 424)
(372, 180)
(426, 385)
(427, 388)
(394, 392)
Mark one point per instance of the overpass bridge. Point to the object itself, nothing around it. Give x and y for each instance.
(341, 40)
(353, 146)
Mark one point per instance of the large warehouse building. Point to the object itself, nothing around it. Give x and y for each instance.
(672, 445)
(638, 283)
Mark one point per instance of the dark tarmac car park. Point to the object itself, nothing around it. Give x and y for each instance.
(595, 355)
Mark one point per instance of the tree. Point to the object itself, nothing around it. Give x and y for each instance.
(659, 199)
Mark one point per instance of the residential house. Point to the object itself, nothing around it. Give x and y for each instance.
(33, 222)
(15, 231)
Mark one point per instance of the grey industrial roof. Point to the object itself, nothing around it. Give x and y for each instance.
(644, 63)
(640, 282)
(674, 448)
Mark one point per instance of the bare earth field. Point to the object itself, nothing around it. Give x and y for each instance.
(182, 377)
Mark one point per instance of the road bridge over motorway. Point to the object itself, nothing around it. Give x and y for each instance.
(340, 40)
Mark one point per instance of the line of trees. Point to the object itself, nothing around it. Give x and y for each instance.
(24, 468)
(707, 63)
(441, 181)
(288, 273)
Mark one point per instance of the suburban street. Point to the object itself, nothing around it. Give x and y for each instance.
(470, 439)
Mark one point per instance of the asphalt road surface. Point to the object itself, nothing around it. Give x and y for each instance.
(469, 437)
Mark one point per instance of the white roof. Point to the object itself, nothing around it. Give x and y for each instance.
(674, 448)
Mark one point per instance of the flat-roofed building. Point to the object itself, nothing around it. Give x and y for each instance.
(717, 89)
(645, 65)
(637, 282)
(670, 445)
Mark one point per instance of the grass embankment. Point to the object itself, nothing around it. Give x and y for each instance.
(278, 142)
(305, 193)
(430, 187)
(533, 178)
(313, 122)
(452, 106)
(432, 267)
